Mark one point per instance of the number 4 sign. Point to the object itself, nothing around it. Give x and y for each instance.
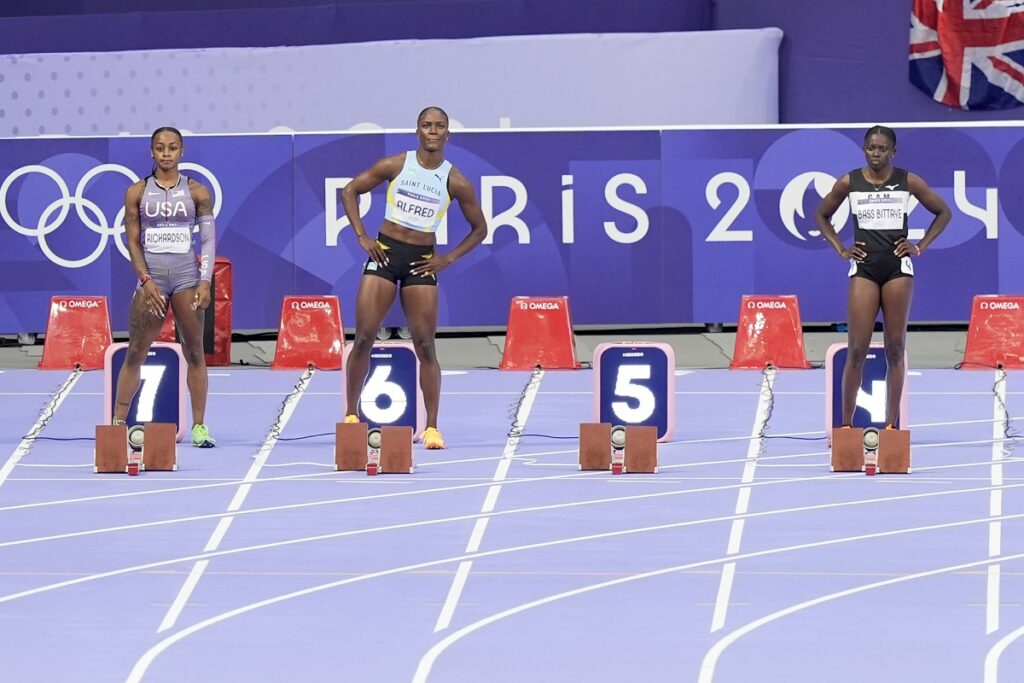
(634, 384)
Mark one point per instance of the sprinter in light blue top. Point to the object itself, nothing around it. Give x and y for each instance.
(421, 184)
(418, 198)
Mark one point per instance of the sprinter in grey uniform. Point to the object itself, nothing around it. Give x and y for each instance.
(162, 213)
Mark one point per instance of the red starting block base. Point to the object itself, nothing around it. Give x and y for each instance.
(894, 451)
(539, 333)
(350, 451)
(641, 450)
(160, 450)
(595, 446)
(847, 450)
(111, 454)
(396, 450)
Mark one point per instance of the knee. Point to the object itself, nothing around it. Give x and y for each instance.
(362, 343)
(194, 354)
(894, 353)
(425, 350)
(856, 354)
(136, 354)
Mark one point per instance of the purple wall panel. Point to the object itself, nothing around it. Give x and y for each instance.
(112, 26)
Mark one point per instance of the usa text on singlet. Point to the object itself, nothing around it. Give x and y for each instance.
(167, 217)
(879, 212)
(418, 197)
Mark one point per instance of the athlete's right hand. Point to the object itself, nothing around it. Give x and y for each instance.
(856, 252)
(154, 299)
(373, 248)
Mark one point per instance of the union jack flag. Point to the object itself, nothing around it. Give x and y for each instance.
(969, 54)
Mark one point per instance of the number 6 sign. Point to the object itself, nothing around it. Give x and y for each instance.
(634, 384)
(391, 394)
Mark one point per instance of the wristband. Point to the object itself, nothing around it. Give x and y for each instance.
(144, 279)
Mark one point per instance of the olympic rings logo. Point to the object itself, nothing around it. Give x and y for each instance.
(91, 215)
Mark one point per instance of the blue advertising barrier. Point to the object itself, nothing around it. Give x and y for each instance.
(636, 227)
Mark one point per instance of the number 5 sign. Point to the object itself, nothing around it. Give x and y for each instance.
(634, 384)
(391, 394)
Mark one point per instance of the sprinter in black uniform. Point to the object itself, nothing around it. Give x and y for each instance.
(881, 271)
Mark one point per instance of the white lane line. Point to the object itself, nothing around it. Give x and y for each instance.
(427, 661)
(707, 669)
(423, 670)
(51, 408)
(179, 602)
(764, 403)
(999, 426)
(540, 508)
(992, 658)
(444, 619)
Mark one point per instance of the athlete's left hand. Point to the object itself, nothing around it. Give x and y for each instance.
(905, 247)
(201, 300)
(432, 265)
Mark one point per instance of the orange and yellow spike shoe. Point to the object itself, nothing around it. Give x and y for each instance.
(432, 438)
(350, 419)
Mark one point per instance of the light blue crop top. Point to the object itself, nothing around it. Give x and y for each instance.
(418, 197)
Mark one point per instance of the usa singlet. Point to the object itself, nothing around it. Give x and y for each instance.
(879, 221)
(418, 197)
(167, 218)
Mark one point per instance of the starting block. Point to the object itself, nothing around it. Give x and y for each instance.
(395, 455)
(595, 446)
(156, 450)
(630, 449)
(160, 450)
(894, 451)
(640, 454)
(885, 451)
(111, 454)
(847, 450)
(387, 450)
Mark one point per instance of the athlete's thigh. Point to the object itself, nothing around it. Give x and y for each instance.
(896, 297)
(375, 296)
(419, 302)
(863, 303)
(189, 321)
(143, 326)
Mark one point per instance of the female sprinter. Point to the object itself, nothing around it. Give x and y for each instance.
(421, 186)
(160, 213)
(881, 271)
